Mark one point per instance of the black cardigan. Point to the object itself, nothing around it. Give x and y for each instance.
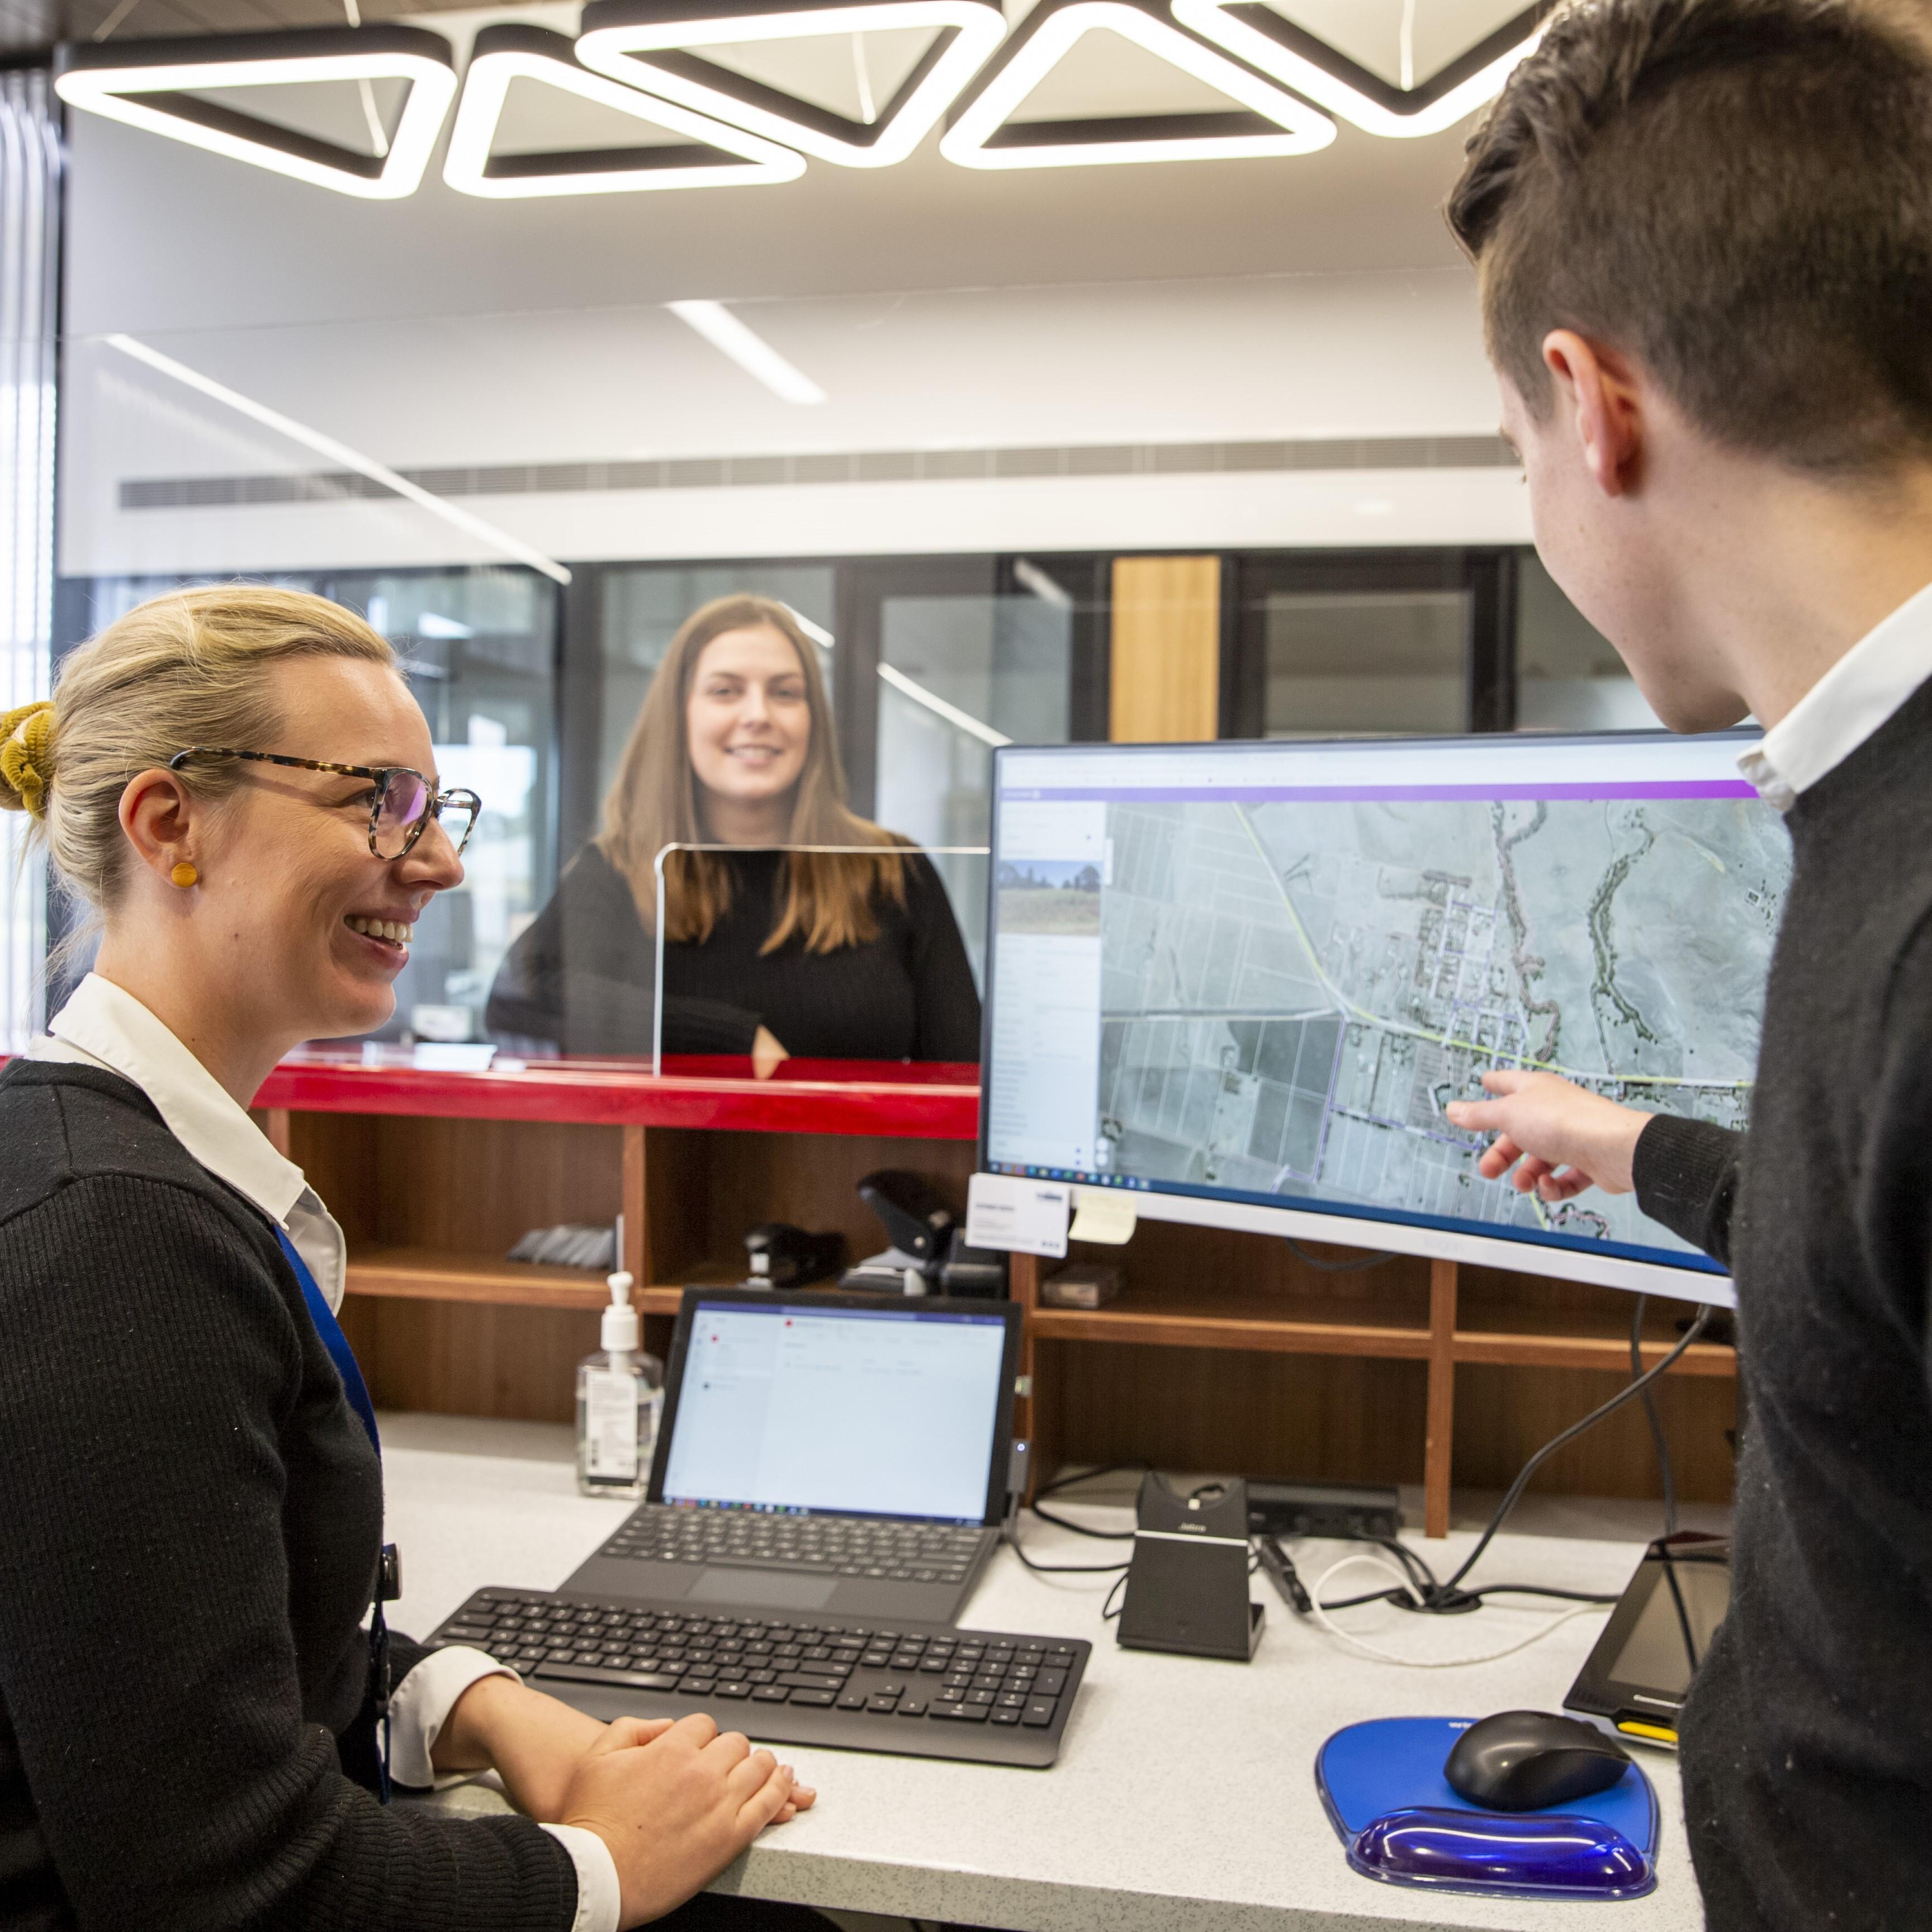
(191, 1519)
(580, 976)
(1808, 1738)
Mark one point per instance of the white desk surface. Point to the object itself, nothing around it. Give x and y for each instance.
(1184, 1795)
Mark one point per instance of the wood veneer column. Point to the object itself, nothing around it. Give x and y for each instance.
(1023, 1284)
(1165, 680)
(1439, 1439)
(636, 1256)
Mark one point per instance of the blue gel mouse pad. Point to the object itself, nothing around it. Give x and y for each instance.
(1402, 1822)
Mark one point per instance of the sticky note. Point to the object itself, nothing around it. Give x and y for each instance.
(1102, 1214)
(1027, 1217)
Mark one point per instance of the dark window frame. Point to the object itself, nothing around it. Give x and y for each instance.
(1487, 574)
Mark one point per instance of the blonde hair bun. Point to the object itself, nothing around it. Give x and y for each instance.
(27, 757)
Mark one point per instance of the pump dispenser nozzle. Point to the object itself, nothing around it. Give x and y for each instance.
(620, 1331)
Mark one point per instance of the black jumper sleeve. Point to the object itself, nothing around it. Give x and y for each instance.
(179, 1615)
(1686, 1173)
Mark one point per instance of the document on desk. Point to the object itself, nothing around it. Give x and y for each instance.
(1022, 1216)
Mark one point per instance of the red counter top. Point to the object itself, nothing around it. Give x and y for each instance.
(922, 1101)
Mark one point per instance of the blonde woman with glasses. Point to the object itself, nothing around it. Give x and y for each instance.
(239, 783)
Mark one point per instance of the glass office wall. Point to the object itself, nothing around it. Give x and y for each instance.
(1370, 643)
(959, 676)
(1569, 677)
(1376, 662)
(479, 647)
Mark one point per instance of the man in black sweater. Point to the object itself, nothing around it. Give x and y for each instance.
(1703, 229)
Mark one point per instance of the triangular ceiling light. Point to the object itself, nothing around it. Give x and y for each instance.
(709, 154)
(1266, 39)
(1257, 118)
(649, 44)
(156, 85)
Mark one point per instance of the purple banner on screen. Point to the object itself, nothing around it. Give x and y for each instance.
(1484, 794)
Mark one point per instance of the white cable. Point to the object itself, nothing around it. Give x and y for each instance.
(1416, 1663)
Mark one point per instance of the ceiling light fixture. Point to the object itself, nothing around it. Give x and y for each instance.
(153, 85)
(1261, 120)
(647, 42)
(726, 156)
(341, 453)
(1265, 39)
(748, 350)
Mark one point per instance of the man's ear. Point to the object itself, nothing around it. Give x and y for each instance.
(1598, 389)
(157, 815)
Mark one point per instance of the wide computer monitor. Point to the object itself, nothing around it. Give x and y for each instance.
(1242, 980)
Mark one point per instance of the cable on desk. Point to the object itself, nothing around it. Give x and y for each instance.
(1334, 1630)
(1655, 1420)
(1629, 1393)
(1420, 1590)
(1059, 1482)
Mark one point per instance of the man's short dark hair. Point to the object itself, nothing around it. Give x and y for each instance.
(1737, 193)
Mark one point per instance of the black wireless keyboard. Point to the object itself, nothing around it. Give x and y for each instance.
(922, 1691)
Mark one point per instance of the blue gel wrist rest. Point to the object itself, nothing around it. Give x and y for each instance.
(1382, 1785)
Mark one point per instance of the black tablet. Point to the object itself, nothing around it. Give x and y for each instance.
(1634, 1682)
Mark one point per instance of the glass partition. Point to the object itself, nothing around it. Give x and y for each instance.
(674, 960)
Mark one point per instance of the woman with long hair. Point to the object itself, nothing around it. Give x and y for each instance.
(840, 955)
(238, 781)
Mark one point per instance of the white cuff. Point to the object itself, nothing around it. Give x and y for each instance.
(420, 1707)
(599, 1901)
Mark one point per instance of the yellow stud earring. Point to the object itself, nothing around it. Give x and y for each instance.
(184, 875)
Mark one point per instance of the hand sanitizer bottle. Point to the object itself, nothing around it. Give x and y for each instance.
(619, 1396)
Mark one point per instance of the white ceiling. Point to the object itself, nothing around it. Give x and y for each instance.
(937, 306)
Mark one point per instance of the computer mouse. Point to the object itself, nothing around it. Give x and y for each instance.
(1532, 1760)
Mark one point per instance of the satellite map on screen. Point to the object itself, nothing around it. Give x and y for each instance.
(1290, 992)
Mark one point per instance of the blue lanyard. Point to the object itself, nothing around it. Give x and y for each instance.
(357, 1390)
(335, 1341)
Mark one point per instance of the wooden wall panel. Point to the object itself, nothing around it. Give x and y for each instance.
(1165, 678)
(1352, 1419)
(450, 1358)
(476, 1187)
(1504, 1415)
(810, 1180)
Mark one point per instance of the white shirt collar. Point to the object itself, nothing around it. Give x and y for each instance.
(1845, 706)
(103, 1025)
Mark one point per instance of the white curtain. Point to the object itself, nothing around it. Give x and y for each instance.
(30, 167)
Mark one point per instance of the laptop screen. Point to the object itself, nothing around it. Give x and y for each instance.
(887, 1411)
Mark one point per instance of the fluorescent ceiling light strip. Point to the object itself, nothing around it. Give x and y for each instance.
(114, 92)
(1029, 576)
(748, 350)
(466, 166)
(1031, 58)
(1215, 21)
(622, 51)
(341, 453)
(934, 703)
(817, 633)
